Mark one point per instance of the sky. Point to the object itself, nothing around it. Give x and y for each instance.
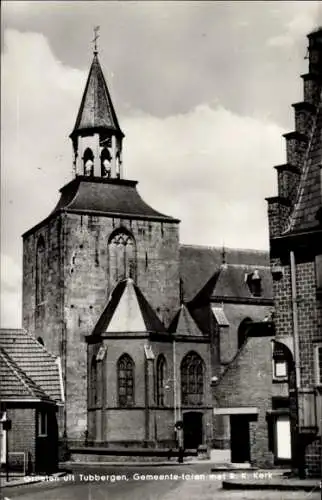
(203, 93)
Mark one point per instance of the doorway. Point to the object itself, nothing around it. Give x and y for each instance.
(283, 438)
(192, 430)
(239, 438)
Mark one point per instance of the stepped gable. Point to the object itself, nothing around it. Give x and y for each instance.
(199, 264)
(128, 311)
(298, 207)
(305, 215)
(17, 386)
(34, 360)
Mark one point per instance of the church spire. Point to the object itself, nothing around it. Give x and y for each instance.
(97, 136)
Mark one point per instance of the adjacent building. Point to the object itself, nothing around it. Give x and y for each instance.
(31, 400)
(295, 229)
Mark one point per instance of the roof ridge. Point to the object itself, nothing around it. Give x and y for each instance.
(214, 247)
(307, 163)
(18, 372)
(260, 266)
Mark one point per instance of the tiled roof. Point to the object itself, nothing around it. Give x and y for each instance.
(34, 360)
(96, 109)
(15, 384)
(309, 197)
(128, 311)
(198, 264)
(110, 197)
(184, 324)
(230, 282)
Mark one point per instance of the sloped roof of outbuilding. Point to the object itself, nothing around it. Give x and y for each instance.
(15, 383)
(199, 265)
(34, 360)
(128, 311)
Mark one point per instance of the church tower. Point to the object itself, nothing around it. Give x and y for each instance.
(100, 232)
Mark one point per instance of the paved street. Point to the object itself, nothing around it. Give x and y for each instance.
(132, 483)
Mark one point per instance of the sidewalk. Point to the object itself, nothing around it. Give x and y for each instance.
(268, 480)
(15, 480)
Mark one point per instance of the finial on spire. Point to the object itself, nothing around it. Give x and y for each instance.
(96, 37)
(223, 257)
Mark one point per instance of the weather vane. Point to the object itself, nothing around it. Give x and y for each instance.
(96, 37)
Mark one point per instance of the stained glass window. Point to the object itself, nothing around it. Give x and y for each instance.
(125, 377)
(192, 375)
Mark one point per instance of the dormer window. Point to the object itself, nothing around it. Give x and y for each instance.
(254, 283)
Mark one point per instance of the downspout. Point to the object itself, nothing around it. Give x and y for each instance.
(295, 322)
(146, 401)
(298, 450)
(174, 380)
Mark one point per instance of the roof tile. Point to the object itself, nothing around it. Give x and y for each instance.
(34, 360)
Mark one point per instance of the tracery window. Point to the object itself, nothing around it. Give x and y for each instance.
(122, 256)
(40, 271)
(125, 379)
(161, 375)
(192, 379)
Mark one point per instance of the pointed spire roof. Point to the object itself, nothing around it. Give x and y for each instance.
(184, 324)
(128, 311)
(96, 110)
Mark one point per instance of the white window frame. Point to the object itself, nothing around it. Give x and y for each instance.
(275, 375)
(42, 415)
(318, 373)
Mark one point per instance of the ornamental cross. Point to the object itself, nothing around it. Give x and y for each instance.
(96, 37)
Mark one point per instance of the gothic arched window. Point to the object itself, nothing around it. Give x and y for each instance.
(40, 271)
(125, 379)
(88, 159)
(122, 256)
(93, 381)
(192, 374)
(161, 375)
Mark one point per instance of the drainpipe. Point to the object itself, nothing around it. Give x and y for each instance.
(147, 402)
(295, 322)
(174, 381)
(299, 451)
